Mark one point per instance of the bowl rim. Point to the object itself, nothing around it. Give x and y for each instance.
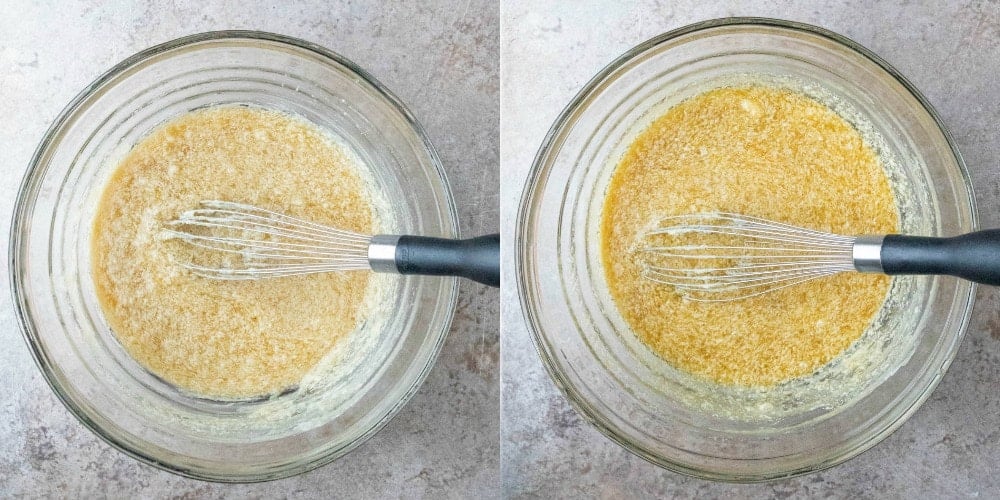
(33, 175)
(531, 317)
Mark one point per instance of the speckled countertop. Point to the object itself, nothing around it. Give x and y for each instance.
(442, 60)
(951, 51)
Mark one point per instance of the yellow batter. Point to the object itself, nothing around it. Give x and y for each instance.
(226, 339)
(759, 151)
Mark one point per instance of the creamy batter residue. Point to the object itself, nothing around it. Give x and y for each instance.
(227, 339)
(766, 152)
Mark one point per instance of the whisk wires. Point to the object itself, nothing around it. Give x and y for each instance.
(259, 243)
(725, 256)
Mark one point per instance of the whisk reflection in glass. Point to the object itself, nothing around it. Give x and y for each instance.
(725, 256)
(267, 244)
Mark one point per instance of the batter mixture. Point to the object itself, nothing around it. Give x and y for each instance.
(765, 152)
(227, 339)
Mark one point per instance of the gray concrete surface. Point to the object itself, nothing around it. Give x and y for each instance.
(444, 60)
(951, 51)
(438, 57)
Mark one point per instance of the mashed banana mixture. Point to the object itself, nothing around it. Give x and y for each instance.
(227, 339)
(761, 151)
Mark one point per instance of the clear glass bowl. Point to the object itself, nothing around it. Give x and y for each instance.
(638, 400)
(54, 295)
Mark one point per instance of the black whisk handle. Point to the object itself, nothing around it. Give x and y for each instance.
(477, 259)
(974, 256)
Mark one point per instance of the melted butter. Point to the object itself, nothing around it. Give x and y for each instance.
(761, 151)
(227, 339)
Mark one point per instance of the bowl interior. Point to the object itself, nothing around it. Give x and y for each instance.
(672, 418)
(379, 368)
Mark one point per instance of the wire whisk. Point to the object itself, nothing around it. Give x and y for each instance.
(245, 242)
(727, 256)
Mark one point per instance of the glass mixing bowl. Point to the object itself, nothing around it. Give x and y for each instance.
(54, 295)
(666, 416)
